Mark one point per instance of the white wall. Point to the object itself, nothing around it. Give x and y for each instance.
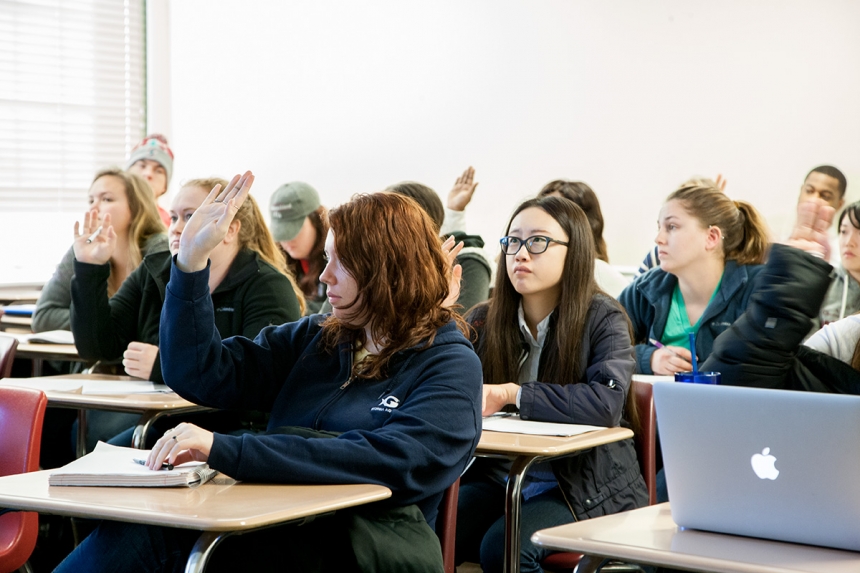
(632, 97)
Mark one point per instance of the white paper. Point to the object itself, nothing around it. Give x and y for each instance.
(109, 465)
(45, 384)
(511, 423)
(49, 337)
(122, 387)
(651, 378)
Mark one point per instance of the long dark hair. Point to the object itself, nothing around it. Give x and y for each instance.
(392, 249)
(502, 347)
(586, 198)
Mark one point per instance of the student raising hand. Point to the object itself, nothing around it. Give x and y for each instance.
(810, 231)
(464, 187)
(98, 249)
(210, 222)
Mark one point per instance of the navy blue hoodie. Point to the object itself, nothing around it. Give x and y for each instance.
(413, 432)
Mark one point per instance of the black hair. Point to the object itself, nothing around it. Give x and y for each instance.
(831, 171)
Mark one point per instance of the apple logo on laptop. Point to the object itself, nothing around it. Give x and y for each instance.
(763, 465)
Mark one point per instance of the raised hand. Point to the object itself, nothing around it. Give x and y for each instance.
(210, 222)
(138, 359)
(94, 250)
(451, 251)
(810, 229)
(721, 183)
(461, 194)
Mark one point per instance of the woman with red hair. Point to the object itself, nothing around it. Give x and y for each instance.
(389, 377)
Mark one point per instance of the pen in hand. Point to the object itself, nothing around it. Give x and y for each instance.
(92, 237)
(164, 466)
(658, 344)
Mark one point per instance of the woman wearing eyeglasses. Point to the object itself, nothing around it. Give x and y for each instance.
(710, 249)
(555, 346)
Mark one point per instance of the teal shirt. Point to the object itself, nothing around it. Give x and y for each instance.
(678, 327)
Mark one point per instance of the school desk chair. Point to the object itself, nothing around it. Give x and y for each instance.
(21, 413)
(8, 346)
(446, 525)
(645, 441)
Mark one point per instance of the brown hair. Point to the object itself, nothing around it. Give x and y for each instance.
(744, 232)
(426, 198)
(145, 220)
(390, 247)
(586, 198)
(308, 281)
(254, 234)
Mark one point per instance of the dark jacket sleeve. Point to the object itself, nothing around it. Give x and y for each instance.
(761, 347)
(598, 399)
(52, 309)
(641, 318)
(103, 327)
(268, 300)
(238, 374)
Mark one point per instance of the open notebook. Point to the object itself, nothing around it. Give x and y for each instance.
(115, 466)
(512, 423)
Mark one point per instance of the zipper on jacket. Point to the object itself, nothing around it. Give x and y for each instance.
(564, 496)
(337, 395)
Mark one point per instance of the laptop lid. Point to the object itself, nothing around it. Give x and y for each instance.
(762, 463)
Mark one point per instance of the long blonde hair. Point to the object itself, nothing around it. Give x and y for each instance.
(254, 234)
(145, 220)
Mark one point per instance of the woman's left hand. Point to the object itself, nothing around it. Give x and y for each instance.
(184, 443)
(451, 251)
(497, 396)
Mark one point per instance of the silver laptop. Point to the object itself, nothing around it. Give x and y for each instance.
(762, 463)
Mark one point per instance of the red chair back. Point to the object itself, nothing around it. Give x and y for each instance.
(446, 525)
(646, 439)
(8, 346)
(21, 413)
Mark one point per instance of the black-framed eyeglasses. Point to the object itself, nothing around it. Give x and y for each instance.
(535, 245)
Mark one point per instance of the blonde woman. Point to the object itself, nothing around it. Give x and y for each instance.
(127, 199)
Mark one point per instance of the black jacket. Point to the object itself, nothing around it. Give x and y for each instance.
(763, 348)
(252, 296)
(605, 479)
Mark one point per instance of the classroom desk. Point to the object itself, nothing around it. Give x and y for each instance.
(525, 450)
(16, 324)
(19, 295)
(149, 406)
(649, 536)
(219, 508)
(38, 353)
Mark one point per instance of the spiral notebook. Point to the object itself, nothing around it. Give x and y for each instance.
(115, 466)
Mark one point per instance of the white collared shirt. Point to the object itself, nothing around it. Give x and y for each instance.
(529, 368)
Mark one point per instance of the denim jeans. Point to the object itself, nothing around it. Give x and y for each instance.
(481, 524)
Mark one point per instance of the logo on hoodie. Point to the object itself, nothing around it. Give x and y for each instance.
(387, 404)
